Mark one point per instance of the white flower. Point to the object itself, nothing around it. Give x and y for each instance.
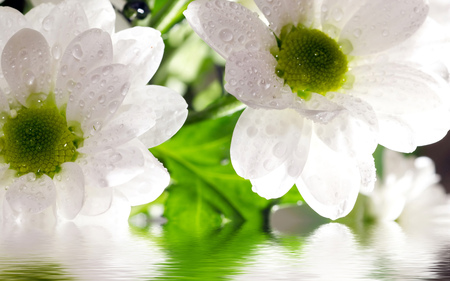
(77, 118)
(409, 191)
(324, 83)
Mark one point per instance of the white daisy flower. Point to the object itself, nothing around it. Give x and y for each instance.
(409, 191)
(77, 118)
(324, 82)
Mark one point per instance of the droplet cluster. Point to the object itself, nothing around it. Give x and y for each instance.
(311, 61)
(37, 140)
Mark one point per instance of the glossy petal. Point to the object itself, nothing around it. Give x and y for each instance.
(11, 21)
(228, 27)
(251, 78)
(388, 85)
(336, 14)
(142, 49)
(169, 108)
(100, 14)
(330, 181)
(89, 50)
(378, 25)
(277, 182)
(396, 134)
(97, 200)
(70, 190)
(25, 64)
(354, 129)
(37, 15)
(97, 97)
(114, 166)
(29, 194)
(148, 185)
(263, 140)
(63, 23)
(130, 122)
(287, 12)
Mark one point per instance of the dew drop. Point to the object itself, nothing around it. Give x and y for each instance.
(385, 33)
(226, 35)
(81, 103)
(113, 106)
(268, 165)
(82, 70)
(47, 23)
(279, 150)
(77, 52)
(91, 95)
(95, 78)
(29, 78)
(56, 51)
(252, 131)
(107, 70)
(266, 11)
(337, 14)
(101, 99)
(357, 32)
(70, 85)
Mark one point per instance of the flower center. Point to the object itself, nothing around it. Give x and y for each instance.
(310, 61)
(37, 140)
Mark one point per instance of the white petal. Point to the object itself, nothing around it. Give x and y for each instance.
(396, 134)
(170, 111)
(287, 12)
(142, 49)
(429, 127)
(70, 190)
(100, 14)
(251, 78)
(37, 15)
(97, 200)
(352, 127)
(97, 97)
(395, 89)
(148, 185)
(330, 181)
(336, 14)
(63, 23)
(29, 194)
(228, 27)
(131, 122)
(277, 182)
(366, 164)
(378, 25)
(89, 50)
(11, 21)
(264, 139)
(114, 166)
(25, 64)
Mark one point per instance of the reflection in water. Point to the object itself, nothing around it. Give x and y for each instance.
(317, 251)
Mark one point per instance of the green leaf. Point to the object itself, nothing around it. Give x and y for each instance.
(206, 191)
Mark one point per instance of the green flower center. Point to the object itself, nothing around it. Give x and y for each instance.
(37, 140)
(310, 61)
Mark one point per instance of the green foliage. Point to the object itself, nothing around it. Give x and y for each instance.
(206, 191)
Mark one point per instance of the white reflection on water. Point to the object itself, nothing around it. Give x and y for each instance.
(305, 251)
(383, 251)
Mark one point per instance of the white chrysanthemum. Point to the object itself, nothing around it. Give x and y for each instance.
(325, 82)
(76, 115)
(408, 191)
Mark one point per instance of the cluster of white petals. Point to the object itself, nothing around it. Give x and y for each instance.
(408, 191)
(324, 144)
(99, 79)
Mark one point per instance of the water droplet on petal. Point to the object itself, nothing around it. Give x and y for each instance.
(226, 35)
(337, 14)
(56, 51)
(77, 52)
(279, 150)
(101, 99)
(113, 106)
(47, 23)
(29, 78)
(357, 32)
